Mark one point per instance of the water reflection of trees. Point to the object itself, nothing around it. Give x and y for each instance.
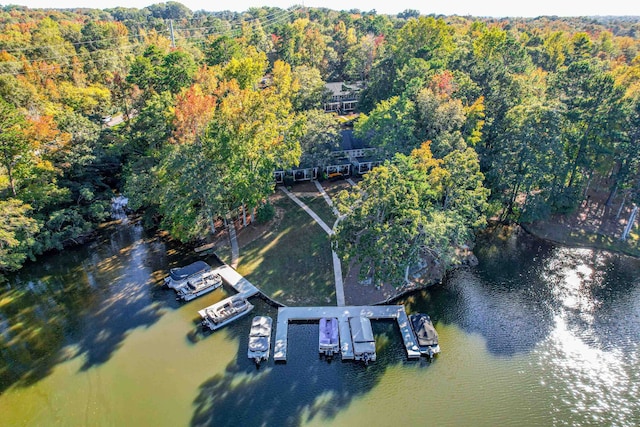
(80, 303)
(36, 317)
(297, 392)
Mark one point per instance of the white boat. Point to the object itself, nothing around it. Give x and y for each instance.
(260, 339)
(425, 334)
(198, 286)
(219, 314)
(179, 276)
(364, 345)
(328, 340)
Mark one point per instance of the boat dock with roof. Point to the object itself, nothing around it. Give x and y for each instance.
(292, 314)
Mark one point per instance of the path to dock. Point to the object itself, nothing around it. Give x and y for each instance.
(326, 198)
(397, 312)
(235, 250)
(308, 210)
(352, 182)
(337, 265)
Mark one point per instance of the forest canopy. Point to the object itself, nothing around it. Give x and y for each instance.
(189, 113)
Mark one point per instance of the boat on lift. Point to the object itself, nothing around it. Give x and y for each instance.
(260, 339)
(329, 338)
(364, 345)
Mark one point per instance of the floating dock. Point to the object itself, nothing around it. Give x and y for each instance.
(232, 278)
(288, 314)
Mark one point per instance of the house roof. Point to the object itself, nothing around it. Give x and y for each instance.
(343, 88)
(350, 142)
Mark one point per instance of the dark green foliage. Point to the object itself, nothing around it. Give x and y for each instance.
(540, 107)
(265, 213)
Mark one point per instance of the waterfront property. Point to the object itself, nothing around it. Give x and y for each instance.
(91, 349)
(293, 314)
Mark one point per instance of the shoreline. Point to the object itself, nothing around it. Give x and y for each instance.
(579, 243)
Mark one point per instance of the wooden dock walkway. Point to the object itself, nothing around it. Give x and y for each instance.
(397, 312)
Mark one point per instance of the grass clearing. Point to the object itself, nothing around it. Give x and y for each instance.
(291, 263)
(320, 206)
(333, 188)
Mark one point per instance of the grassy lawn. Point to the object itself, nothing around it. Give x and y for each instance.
(291, 263)
(320, 206)
(333, 188)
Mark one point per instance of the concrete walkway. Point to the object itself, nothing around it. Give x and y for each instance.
(337, 266)
(308, 210)
(352, 182)
(235, 251)
(326, 198)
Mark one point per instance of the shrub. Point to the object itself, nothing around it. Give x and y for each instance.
(265, 213)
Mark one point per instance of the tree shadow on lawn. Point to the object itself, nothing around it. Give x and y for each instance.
(321, 208)
(291, 264)
(295, 392)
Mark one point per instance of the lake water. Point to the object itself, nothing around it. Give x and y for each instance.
(535, 335)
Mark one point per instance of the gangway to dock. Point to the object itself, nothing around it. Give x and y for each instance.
(397, 312)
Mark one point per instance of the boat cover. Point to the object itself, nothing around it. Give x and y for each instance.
(425, 332)
(258, 343)
(260, 333)
(328, 331)
(260, 326)
(184, 272)
(362, 335)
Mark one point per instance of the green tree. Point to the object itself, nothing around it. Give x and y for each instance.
(177, 71)
(390, 126)
(593, 118)
(321, 136)
(412, 207)
(530, 161)
(426, 38)
(312, 92)
(220, 50)
(15, 147)
(17, 230)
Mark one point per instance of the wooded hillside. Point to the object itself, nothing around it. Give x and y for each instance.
(535, 111)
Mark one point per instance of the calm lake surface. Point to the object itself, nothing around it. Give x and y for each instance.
(535, 335)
